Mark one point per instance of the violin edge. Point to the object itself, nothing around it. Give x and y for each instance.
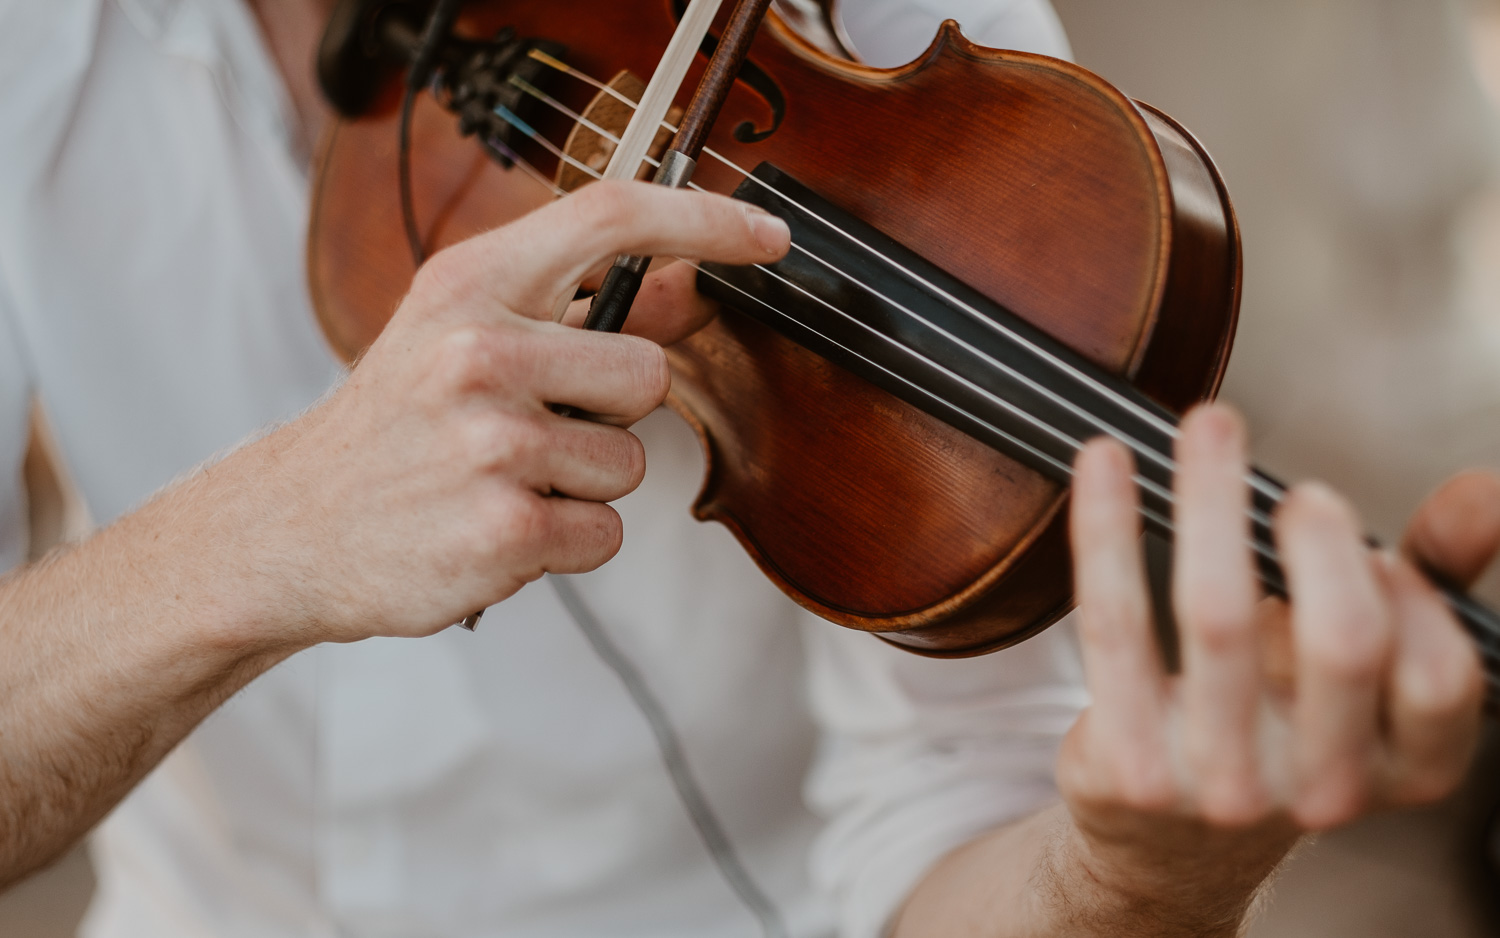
(1194, 315)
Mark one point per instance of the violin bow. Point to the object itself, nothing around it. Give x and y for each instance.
(652, 109)
(612, 303)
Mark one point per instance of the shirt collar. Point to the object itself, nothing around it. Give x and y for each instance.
(224, 37)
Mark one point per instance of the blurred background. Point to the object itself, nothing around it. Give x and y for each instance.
(1361, 142)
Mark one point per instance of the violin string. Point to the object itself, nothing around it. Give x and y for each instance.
(1163, 460)
(1041, 424)
(1272, 490)
(1489, 645)
(1258, 544)
(528, 88)
(541, 140)
(1056, 433)
(511, 156)
(1266, 487)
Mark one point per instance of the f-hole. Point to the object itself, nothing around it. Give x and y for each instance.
(754, 77)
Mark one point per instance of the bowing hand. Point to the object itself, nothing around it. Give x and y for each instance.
(438, 480)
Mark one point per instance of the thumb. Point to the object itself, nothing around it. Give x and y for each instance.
(1456, 531)
(668, 309)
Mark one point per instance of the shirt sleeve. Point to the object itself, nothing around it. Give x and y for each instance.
(919, 756)
(15, 425)
(888, 33)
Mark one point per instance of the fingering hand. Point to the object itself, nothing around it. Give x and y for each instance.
(1360, 693)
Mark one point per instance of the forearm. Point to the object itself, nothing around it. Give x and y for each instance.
(112, 652)
(1039, 877)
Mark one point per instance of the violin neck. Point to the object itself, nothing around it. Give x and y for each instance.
(871, 305)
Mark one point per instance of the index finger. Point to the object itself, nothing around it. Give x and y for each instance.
(668, 309)
(1125, 672)
(529, 262)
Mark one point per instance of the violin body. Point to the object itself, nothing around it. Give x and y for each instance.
(1099, 221)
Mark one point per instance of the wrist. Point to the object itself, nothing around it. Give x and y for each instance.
(1170, 877)
(212, 558)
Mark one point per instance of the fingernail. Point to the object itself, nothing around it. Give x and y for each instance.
(771, 233)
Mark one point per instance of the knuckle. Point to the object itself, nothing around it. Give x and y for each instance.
(608, 204)
(482, 532)
(1217, 626)
(521, 523)
(1143, 784)
(1444, 693)
(1111, 625)
(502, 442)
(1076, 778)
(445, 275)
(1348, 648)
(467, 358)
(1430, 783)
(1234, 802)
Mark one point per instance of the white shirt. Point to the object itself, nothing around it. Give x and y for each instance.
(152, 214)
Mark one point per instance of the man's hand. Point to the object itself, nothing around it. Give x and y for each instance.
(435, 482)
(1361, 693)
(1183, 792)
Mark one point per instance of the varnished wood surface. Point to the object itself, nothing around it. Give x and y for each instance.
(1032, 180)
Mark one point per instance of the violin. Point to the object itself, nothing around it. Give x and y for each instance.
(996, 257)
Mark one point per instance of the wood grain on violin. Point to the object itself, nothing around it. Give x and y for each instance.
(1033, 182)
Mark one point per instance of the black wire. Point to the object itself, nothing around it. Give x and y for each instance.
(423, 63)
(675, 759)
(403, 173)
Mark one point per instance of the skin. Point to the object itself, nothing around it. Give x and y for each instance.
(437, 481)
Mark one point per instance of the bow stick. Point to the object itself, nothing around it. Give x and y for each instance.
(653, 106)
(611, 304)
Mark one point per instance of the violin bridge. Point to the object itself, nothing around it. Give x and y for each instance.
(608, 113)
